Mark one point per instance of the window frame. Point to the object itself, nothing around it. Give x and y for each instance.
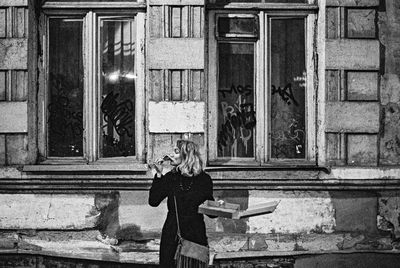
(262, 80)
(91, 19)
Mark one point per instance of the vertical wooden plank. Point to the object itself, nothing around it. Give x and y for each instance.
(175, 21)
(3, 85)
(17, 149)
(201, 22)
(336, 148)
(166, 85)
(185, 85)
(9, 22)
(19, 22)
(185, 22)
(332, 85)
(3, 152)
(196, 22)
(19, 92)
(156, 89)
(3, 22)
(155, 21)
(196, 85)
(332, 23)
(176, 85)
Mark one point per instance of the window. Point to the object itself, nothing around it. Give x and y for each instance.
(261, 92)
(93, 91)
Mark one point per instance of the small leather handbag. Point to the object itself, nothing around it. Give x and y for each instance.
(189, 254)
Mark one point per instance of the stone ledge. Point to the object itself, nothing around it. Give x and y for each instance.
(223, 247)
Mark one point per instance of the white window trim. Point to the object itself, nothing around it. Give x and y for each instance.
(91, 120)
(262, 155)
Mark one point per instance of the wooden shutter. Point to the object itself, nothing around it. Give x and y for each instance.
(352, 82)
(13, 81)
(175, 73)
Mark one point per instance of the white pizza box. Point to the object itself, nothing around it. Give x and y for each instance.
(232, 211)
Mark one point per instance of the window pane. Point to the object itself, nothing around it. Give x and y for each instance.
(236, 26)
(236, 113)
(118, 47)
(65, 106)
(288, 91)
(259, 1)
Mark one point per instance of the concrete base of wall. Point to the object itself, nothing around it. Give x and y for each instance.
(352, 260)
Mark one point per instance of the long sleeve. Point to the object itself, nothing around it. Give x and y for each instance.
(205, 191)
(158, 191)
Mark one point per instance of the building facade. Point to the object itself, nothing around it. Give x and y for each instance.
(296, 101)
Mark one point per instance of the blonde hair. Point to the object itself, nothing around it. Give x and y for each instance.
(191, 164)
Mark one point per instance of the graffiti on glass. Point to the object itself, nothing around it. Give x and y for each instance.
(120, 115)
(286, 94)
(238, 120)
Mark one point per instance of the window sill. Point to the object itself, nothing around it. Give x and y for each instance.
(78, 168)
(300, 167)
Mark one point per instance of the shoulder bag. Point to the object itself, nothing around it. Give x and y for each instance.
(189, 254)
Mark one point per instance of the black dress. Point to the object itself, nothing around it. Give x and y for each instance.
(190, 192)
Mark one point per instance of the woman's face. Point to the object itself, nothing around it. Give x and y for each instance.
(176, 157)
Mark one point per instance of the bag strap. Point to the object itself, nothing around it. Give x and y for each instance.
(177, 219)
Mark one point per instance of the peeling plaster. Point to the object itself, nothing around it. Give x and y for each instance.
(297, 212)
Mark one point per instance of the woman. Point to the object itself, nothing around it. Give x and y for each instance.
(191, 187)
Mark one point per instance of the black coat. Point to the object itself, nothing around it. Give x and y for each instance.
(190, 192)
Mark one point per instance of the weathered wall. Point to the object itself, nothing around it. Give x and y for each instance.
(362, 129)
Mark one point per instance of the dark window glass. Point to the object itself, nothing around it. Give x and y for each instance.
(65, 100)
(118, 48)
(237, 26)
(259, 1)
(288, 90)
(236, 113)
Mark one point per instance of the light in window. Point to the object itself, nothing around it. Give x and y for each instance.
(118, 49)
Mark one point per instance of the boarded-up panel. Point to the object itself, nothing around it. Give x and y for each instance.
(176, 117)
(176, 53)
(176, 85)
(3, 22)
(361, 23)
(20, 22)
(175, 21)
(2, 149)
(352, 117)
(156, 22)
(332, 23)
(17, 149)
(196, 90)
(13, 53)
(13, 117)
(3, 85)
(362, 85)
(198, 22)
(352, 54)
(19, 85)
(362, 150)
(358, 3)
(335, 148)
(332, 85)
(156, 85)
